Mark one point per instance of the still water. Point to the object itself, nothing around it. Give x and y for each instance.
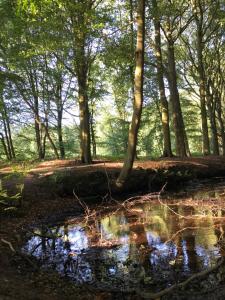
(150, 245)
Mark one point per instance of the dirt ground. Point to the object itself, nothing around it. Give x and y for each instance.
(207, 162)
(18, 278)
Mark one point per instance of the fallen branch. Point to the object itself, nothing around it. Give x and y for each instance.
(9, 244)
(24, 256)
(147, 295)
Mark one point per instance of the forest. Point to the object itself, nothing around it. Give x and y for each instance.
(67, 81)
(112, 151)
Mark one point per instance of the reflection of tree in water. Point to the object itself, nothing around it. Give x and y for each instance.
(190, 259)
(122, 250)
(138, 254)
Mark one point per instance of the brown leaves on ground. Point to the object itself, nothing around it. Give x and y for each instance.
(74, 164)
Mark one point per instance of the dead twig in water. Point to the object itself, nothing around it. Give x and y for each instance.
(147, 295)
(177, 214)
(87, 211)
(188, 228)
(24, 256)
(108, 183)
(9, 244)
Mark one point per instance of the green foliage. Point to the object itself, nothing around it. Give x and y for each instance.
(45, 44)
(10, 203)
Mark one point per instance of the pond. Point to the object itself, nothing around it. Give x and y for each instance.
(151, 244)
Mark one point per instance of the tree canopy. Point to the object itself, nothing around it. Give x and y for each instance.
(68, 85)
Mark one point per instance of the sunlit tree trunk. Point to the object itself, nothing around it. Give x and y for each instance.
(37, 123)
(132, 43)
(175, 100)
(7, 139)
(60, 135)
(167, 152)
(9, 132)
(6, 126)
(37, 127)
(92, 129)
(221, 123)
(59, 106)
(138, 96)
(47, 133)
(219, 97)
(82, 68)
(212, 118)
(4, 146)
(198, 17)
(85, 140)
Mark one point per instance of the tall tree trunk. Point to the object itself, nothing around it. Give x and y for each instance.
(138, 96)
(93, 139)
(60, 135)
(4, 146)
(85, 140)
(221, 123)
(167, 152)
(37, 123)
(187, 144)
(199, 19)
(7, 138)
(10, 138)
(212, 118)
(82, 67)
(202, 91)
(8, 129)
(37, 126)
(6, 125)
(59, 127)
(132, 45)
(59, 105)
(50, 140)
(175, 101)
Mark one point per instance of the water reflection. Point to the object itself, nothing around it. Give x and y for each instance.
(152, 244)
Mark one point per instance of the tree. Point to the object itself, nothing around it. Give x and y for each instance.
(167, 152)
(138, 95)
(173, 24)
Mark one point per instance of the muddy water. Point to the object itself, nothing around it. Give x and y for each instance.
(150, 245)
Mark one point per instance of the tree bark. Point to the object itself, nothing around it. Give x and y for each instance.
(37, 126)
(205, 133)
(138, 96)
(60, 135)
(7, 124)
(82, 68)
(50, 140)
(198, 16)
(37, 123)
(221, 123)
(175, 101)
(85, 140)
(167, 152)
(59, 106)
(4, 146)
(212, 118)
(93, 139)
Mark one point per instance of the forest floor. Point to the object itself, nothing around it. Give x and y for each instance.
(206, 162)
(19, 278)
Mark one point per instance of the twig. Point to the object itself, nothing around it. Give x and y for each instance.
(187, 228)
(147, 295)
(24, 256)
(108, 182)
(82, 203)
(9, 244)
(174, 212)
